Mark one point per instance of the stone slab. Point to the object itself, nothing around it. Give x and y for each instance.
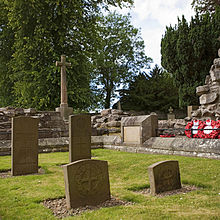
(24, 145)
(79, 137)
(164, 176)
(86, 183)
(132, 134)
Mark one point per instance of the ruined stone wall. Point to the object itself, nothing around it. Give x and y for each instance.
(51, 124)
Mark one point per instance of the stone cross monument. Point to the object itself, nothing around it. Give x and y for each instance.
(64, 110)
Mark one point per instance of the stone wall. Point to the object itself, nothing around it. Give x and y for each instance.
(208, 148)
(51, 124)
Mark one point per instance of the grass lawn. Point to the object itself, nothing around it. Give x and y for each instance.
(21, 197)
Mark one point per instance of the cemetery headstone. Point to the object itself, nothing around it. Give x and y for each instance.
(137, 129)
(164, 176)
(79, 137)
(64, 110)
(86, 182)
(24, 145)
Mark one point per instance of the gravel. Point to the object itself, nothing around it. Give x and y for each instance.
(59, 208)
(185, 189)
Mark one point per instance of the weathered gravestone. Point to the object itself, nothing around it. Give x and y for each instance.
(86, 182)
(137, 129)
(24, 145)
(79, 137)
(164, 176)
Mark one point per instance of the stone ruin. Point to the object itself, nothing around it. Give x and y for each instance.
(209, 94)
(51, 124)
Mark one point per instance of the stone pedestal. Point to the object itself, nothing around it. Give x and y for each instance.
(171, 116)
(65, 111)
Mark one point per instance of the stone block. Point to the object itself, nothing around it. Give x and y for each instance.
(86, 183)
(190, 109)
(113, 124)
(171, 116)
(105, 112)
(24, 145)
(137, 129)
(164, 176)
(200, 90)
(116, 112)
(80, 137)
(65, 111)
(208, 98)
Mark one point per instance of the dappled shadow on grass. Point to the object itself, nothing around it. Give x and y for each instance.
(7, 173)
(59, 207)
(145, 190)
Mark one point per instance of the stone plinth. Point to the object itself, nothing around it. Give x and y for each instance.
(171, 116)
(86, 183)
(137, 129)
(164, 176)
(65, 111)
(24, 145)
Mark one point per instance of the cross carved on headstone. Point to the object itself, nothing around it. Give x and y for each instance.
(63, 65)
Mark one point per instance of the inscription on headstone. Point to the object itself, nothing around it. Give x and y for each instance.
(86, 182)
(24, 145)
(79, 137)
(164, 176)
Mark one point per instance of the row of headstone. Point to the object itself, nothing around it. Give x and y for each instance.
(86, 180)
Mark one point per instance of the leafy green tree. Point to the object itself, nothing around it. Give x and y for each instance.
(150, 92)
(6, 43)
(33, 35)
(188, 50)
(120, 55)
(204, 6)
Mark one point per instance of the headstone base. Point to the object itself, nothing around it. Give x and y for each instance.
(65, 111)
(171, 117)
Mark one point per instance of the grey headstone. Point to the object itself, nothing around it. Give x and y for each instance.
(164, 176)
(86, 182)
(79, 137)
(24, 145)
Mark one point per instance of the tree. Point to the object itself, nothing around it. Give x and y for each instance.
(120, 55)
(33, 35)
(188, 50)
(204, 6)
(150, 92)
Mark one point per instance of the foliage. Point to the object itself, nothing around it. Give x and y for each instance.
(22, 196)
(120, 55)
(33, 35)
(188, 50)
(153, 92)
(203, 6)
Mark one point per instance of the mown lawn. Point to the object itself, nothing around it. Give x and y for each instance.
(21, 197)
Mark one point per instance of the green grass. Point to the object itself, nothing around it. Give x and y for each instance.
(21, 196)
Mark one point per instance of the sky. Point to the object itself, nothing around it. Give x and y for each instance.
(152, 17)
